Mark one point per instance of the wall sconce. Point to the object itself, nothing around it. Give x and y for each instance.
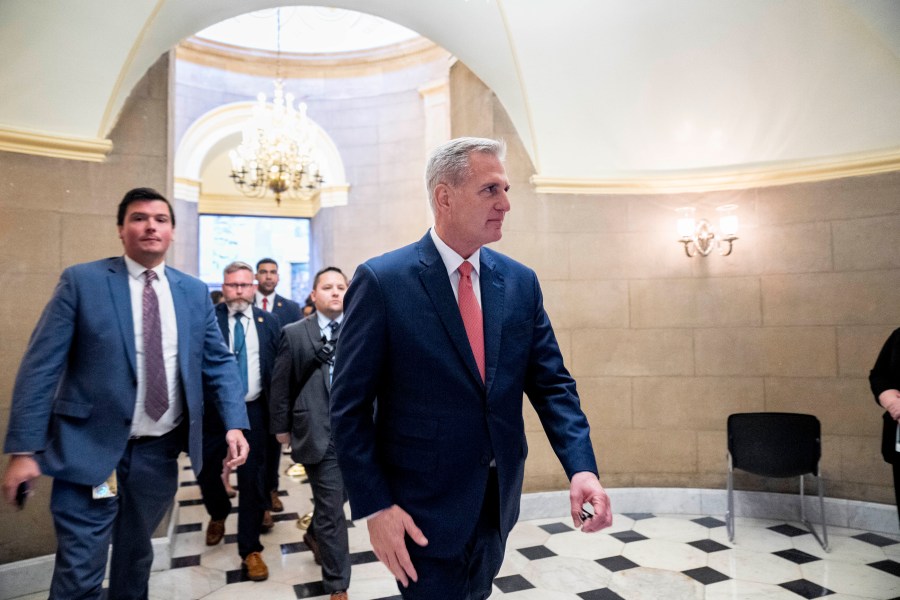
(700, 237)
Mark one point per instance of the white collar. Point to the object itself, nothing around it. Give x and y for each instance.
(451, 257)
(136, 269)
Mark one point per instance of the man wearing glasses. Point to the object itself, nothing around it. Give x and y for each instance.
(252, 336)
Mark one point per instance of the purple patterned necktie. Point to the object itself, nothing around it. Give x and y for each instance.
(156, 399)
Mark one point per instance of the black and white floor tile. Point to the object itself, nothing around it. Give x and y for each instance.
(643, 556)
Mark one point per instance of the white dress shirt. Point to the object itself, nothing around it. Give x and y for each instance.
(141, 423)
(251, 341)
(452, 260)
(270, 301)
(324, 321)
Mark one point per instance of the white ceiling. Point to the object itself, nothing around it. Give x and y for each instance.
(307, 29)
(597, 89)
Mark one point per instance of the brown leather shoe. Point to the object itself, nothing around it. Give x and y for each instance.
(215, 531)
(268, 522)
(277, 506)
(255, 567)
(339, 596)
(313, 544)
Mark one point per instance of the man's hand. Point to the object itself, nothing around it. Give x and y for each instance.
(21, 468)
(283, 438)
(890, 400)
(238, 448)
(586, 488)
(387, 533)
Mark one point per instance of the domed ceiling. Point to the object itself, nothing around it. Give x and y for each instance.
(607, 95)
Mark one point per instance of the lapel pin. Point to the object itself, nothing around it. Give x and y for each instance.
(260, 319)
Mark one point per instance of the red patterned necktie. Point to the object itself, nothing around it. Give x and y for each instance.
(265, 304)
(156, 398)
(471, 315)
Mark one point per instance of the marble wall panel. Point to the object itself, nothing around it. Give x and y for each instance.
(858, 348)
(757, 351)
(861, 461)
(582, 213)
(833, 200)
(693, 403)
(626, 256)
(844, 406)
(579, 305)
(864, 244)
(85, 237)
(31, 242)
(732, 301)
(632, 352)
(848, 298)
(712, 452)
(607, 401)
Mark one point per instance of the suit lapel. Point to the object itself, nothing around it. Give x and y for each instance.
(440, 292)
(222, 318)
(493, 288)
(182, 317)
(315, 339)
(120, 293)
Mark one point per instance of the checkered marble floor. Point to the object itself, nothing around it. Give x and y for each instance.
(642, 556)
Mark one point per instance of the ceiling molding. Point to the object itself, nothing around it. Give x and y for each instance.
(710, 180)
(54, 146)
(258, 207)
(252, 61)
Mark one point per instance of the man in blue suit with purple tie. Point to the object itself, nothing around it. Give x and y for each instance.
(440, 340)
(108, 394)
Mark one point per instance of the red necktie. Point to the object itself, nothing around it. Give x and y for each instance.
(471, 315)
(265, 304)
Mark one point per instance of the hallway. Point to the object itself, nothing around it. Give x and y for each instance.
(643, 556)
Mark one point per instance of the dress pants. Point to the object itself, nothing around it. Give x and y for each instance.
(252, 495)
(469, 576)
(273, 462)
(147, 477)
(329, 526)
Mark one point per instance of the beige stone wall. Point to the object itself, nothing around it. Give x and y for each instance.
(664, 347)
(56, 213)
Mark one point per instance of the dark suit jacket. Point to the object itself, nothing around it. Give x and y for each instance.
(427, 442)
(268, 329)
(74, 395)
(885, 375)
(286, 310)
(302, 411)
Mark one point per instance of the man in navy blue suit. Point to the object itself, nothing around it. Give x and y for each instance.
(267, 279)
(252, 335)
(440, 340)
(288, 312)
(109, 392)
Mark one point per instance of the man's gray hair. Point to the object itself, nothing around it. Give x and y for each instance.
(449, 163)
(237, 266)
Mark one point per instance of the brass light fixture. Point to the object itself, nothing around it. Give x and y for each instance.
(700, 237)
(276, 153)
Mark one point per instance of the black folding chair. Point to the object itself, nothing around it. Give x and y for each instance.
(776, 445)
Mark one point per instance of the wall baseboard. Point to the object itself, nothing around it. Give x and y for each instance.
(33, 575)
(851, 514)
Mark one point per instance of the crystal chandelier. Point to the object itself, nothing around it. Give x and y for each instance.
(276, 152)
